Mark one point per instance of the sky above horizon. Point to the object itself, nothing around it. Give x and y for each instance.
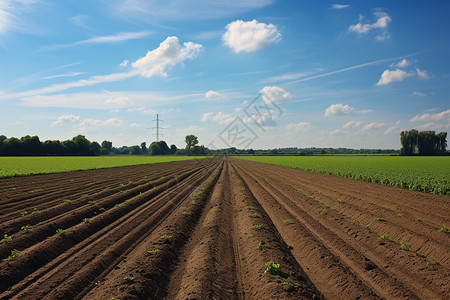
(248, 73)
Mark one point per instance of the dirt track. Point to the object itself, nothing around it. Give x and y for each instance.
(324, 232)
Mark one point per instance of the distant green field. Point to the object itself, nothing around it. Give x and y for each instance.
(22, 166)
(421, 173)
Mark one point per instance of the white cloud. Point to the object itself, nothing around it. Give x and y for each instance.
(419, 94)
(445, 115)
(124, 63)
(12, 15)
(168, 54)
(401, 64)
(336, 132)
(364, 111)
(381, 24)
(393, 76)
(393, 129)
(372, 126)
(275, 94)
(302, 126)
(64, 119)
(250, 36)
(339, 6)
(220, 118)
(121, 100)
(212, 94)
(352, 124)
(434, 126)
(70, 74)
(289, 76)
(90, 124)
(422, 74)
(338, 110)
(79, 20)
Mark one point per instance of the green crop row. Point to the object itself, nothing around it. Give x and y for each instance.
(422, 173)
(23, 166)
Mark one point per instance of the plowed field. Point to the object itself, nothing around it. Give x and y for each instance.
(207, 229)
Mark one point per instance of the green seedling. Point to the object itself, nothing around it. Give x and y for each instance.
(60, 231)
(186, 213)
(249, 207)
(117, 205)
(92, 202)
(24, 213)
(14, 254)
(366, 226)
(193, 202)
(272, 268)
(419, 219)
(288, 221)
(166, 237)
(286, 282)
(36, 212)
(380, 219)
(242, 258)
(432, 263)
(26, 228)
(66, 201)
(405, 246)
(86, 220)
(243, 197)
(36, 190)
(254, 215)
(101, 209)
(6, 238)
(399, 215)
(249, 235)
(241, 188)
(258, 226)
(153, 251)
(444, 229)
(261, 245)
(128, 278)
(384, 237)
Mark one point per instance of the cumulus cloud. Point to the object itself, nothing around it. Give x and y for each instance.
(65, 119)
(275, 94)
(339, 6)
(401, 64)
(381, 24)
(302, 126)
(212, 94)
(250, 36)
(220, 117)
(168, 54)
(393, 76)
(372, 126)
(445, 115)
(422, 74)
(352, 124)
(338, 110)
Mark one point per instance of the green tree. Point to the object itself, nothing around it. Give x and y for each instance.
(107, 145)
(191, 141)
(144, 147)
(155, 149)
(173, 149)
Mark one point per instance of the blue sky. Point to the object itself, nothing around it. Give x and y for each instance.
(255, 74)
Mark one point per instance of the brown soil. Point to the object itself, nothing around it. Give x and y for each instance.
(211, 226)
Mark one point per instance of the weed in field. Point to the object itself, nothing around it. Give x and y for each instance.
(101, 209)
(249, 235)
(443, 229)
(36, 191)
(261, 245)
(286, 282)
(66, 201)
(432, 263)
(272, 268)
(380, 219)
(166, 237)
(241, 188)
(24, 213)
(337, 199)
(6, 238)
(86, 220)
(154, 251)
(26, 228)
(250, 207)
(288, 222)
(258, 226)
(122, 185)
(399, 215)
(60, 231)
(36, 212)
(117, 205)
(92, 202)
(186, 213)
(384, 237)
(193, 202)
(198, 193)
(419, 219)
(14, 254)
(255, 215)
(114, 298)
(242, 258)
(243, 197)
(128, 278)
(366, 226)
(405, 246)
(84, 196)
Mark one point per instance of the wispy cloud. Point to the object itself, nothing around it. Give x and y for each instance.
(339, 6)
(288, 76)
(70, 74)
(12, 15)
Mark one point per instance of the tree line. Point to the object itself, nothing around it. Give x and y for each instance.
(416, 142)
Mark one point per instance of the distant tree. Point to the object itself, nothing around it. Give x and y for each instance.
(323, 152)
(155, 149)
(200, 150)
(144, 147)
(165, 150)
(81, 145)
(31, 145)
(52, 148)
(173, 149)
(251, 151)
(94, 148)
(134, 150)
(423, 142)
(107, 145)
(191, 140)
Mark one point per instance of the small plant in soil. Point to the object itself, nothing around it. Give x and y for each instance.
(14, 254)
(166, 237)
(384, 237)
(261, 245)
(419, 219)
(129, 278)
(60, 231)
(243, 197)
(186, 213)
(26, 228)
(92, 202)
(380, 219)
(242, 258)
(432, 263)
(193, 202)
(249, 235)
(405, 246)
(254, 215)
(366, 226)
(288, 222)
(102, 209)
(154, 251)
(86, 220)
(286, 282)
(66, 201)
(6, 238)
(249, 207)
(241, 188)
(36, 212)
(399, 215)
(24, 213)
(443, 229)
(272, 268)
(258, 226)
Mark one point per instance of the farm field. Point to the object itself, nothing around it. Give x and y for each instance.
(430, 174)
(219, 228)
(26, 165)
